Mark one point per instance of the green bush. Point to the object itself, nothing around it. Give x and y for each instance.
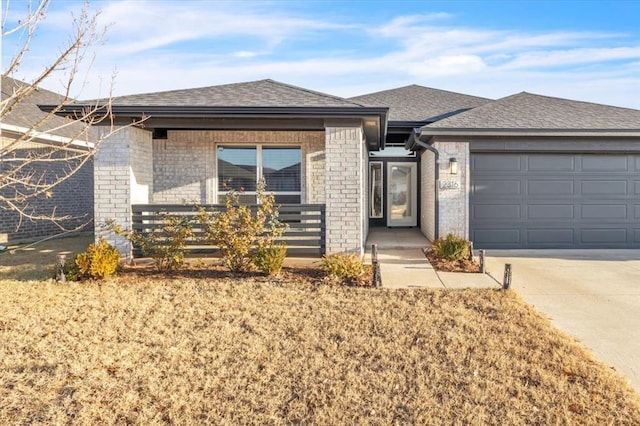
(100, 261)
(238, 232)
(451, 247)
(166, 245)
(269, 260)
(345, 268)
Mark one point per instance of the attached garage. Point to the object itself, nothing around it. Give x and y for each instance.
(555, 200)
(531, 171)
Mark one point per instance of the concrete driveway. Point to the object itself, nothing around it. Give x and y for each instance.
(593, 295)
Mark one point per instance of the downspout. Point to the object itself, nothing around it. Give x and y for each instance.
(417, 141)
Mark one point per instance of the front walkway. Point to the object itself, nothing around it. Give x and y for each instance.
(404, 265)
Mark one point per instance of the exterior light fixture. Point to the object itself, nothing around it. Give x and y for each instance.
(453, 166)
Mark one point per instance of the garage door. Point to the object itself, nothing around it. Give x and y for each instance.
(526, 200)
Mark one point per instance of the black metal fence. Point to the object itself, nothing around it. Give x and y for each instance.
(305, 235)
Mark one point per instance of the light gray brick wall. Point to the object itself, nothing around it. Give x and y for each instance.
(184, 164)
(71, 198)
(453, 190)
(122, 167)
(314, 164)
(428, 194)
(344, 187)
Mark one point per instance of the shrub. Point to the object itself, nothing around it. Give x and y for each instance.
(100, 261)
(166, 245)
(269, 260)
(451, 247)
(237, 231)
(345, 268)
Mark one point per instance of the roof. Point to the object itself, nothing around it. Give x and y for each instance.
(420, 104)
(260, 93)
(526, 111)
(26, 113)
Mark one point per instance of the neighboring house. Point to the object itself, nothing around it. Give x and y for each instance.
(72, 198)
(525, 171)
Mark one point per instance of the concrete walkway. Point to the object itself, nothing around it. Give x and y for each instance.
(403, 264)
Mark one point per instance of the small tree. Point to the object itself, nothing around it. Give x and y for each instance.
(32, 163)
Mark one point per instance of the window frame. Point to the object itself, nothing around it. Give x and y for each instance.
(259, 168)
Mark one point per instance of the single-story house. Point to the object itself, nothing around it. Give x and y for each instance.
(524, 171)
(33, 147)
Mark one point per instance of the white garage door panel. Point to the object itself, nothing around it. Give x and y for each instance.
(531, 200)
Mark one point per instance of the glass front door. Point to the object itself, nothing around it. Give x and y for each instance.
(401, 194)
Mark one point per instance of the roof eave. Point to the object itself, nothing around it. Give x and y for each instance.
(244, 111)
(428, 132)
(138, 111)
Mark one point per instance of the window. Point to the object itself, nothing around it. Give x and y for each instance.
(375, 189)
(240, 168)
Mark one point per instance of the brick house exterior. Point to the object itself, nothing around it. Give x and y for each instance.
(72, 198)
(443, 162)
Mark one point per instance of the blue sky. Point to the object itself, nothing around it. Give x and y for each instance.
(586, 50)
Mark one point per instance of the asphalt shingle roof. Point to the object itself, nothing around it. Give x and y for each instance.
(528, 111)
(26, 112)
(261, 93)
(419, 103)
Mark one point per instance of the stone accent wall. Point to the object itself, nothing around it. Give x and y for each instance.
(121, 170)
(428, 194)
(344, 182)
(72, 197)
(453, 190)
(184, 164)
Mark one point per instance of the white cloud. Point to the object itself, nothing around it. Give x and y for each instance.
(449, 66)
(161, 46)
(246, 54)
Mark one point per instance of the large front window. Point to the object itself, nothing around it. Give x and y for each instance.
(240, 168)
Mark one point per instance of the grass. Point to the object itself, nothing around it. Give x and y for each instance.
(228, 350)
(36, 261)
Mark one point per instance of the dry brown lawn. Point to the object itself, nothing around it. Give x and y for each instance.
(209, 348)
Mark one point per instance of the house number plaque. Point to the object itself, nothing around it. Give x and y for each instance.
(446, 185)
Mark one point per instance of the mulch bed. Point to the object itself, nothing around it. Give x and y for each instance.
(444, 265)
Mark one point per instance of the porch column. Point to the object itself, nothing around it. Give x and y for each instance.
(123, 175)
(344, 186)
(453, 189)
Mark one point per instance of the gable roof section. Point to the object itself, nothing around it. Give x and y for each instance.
(26, 113)
(529, 113)
(261, 93)
(416, 103)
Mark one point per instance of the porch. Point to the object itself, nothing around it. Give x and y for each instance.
(396, 238)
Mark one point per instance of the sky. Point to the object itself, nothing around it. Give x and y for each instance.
(584, 50)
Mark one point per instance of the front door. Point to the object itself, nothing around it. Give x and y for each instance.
(402, 194)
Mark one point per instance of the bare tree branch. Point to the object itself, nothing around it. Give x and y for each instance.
(40, 154)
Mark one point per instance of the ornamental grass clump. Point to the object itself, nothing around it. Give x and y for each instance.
(451, 247)
(346, 269)
(269, 260)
